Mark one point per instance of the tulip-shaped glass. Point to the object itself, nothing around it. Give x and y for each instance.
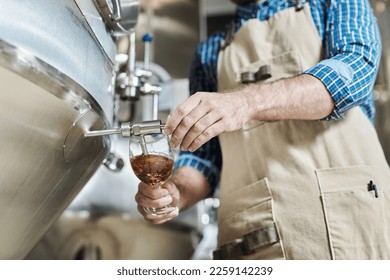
(152, 161)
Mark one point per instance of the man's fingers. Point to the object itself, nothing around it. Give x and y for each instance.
(192, 122)
(181, 112)
(206, 135)
(153, 203)
(147, 196)
(151, 192)
(198, 128)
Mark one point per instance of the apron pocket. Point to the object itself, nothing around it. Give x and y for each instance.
(284, 65)
(356, 203)
(247, 225)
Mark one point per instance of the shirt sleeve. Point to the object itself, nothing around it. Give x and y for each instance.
(352, 48)
(208, 158)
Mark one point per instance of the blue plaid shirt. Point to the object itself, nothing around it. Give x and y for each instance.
(352, 49)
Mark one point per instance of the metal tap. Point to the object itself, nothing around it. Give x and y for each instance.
(131, 129)
(134, 82)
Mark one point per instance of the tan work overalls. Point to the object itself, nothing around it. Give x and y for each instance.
(298, 189)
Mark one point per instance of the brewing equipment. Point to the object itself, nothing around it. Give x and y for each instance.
(57, 77)
(91, 236)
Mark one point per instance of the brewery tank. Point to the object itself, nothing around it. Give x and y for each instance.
(57, 65)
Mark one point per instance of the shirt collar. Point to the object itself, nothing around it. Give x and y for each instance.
(251, 10)
(247, 11)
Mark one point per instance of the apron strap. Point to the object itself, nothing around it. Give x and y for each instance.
(248, 243)
(230, 33)
(299, 4)
(229, 36)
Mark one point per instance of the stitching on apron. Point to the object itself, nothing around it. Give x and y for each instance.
(325, 217)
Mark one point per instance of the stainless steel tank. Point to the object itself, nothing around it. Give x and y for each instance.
(56, 82)
(116, 236)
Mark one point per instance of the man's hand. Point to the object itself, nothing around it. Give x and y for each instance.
(186, 187)
(150, 197)
(205, 115)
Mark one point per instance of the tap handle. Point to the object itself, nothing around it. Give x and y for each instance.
(147, 39)
(116, 15)
(130, 129)
(147, 127)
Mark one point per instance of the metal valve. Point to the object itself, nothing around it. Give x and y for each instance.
(130, 129)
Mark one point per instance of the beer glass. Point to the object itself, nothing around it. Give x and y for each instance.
(152, 161)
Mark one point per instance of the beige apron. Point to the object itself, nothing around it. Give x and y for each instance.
(298, 189)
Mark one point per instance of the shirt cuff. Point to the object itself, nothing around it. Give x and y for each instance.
(336, 76)
(206, 167)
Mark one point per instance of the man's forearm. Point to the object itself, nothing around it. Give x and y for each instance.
(302, 98)
(192, 184)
